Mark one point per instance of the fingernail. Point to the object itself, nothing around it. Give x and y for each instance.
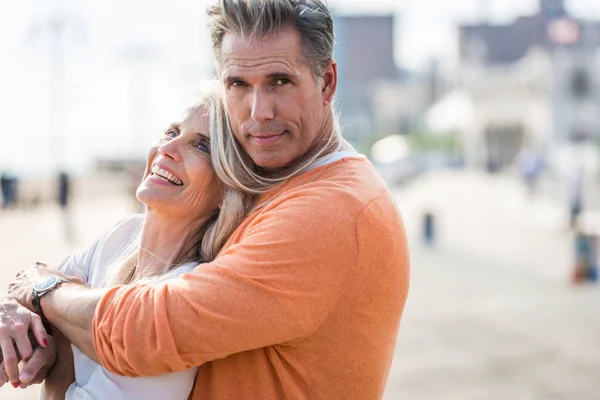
(24, 377)
(15, 385)
(45, 342)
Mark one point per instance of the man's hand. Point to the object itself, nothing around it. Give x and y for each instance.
(22, 287)
(15, 323)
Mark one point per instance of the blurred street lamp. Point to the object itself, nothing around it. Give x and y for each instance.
(139, 57)
(55, 27)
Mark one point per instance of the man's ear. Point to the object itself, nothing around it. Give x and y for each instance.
(330, 77)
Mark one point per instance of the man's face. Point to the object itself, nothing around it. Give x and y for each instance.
(276, 107)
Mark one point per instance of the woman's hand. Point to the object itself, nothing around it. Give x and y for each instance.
(35, 369)
(22, 287)
(15, 323)
(17, 319)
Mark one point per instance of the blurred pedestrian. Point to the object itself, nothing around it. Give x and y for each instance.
(586, 256)
(4, 182)
(10, 188)
(64, 201)
(531, 165)
(576, 186)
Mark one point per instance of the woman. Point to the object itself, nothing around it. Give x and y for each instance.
(182, 227)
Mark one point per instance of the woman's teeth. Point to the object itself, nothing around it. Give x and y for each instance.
(166, 175)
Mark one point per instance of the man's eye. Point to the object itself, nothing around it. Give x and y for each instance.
(281, 81)
(238, 84)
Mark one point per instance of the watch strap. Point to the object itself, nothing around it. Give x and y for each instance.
(37, 305)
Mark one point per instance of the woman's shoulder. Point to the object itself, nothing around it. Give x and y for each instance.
(115, 244)
(121, 236)
(127, 226)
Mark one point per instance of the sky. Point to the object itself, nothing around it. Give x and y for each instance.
(116, 103)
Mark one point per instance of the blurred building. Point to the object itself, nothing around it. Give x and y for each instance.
(533, 83)
(364, 51)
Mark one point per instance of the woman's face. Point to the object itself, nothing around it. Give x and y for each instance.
(179, 178)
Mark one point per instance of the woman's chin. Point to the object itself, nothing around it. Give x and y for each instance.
(147, 198)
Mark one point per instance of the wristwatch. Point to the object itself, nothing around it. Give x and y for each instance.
(41, 288)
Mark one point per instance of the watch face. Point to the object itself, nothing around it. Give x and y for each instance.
(45, 284)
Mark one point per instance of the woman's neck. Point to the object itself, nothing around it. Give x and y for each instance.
(165, 242)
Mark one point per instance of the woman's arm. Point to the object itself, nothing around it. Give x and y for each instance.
(63, 373)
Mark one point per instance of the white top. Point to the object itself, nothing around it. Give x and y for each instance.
(92, 381)
(334, 157)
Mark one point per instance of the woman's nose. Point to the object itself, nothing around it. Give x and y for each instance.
(170, 149)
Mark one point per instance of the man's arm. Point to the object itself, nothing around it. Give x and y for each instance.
(70, 308)
(277, 285)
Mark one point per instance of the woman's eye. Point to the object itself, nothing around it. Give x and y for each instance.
(171, 133)
(203, 147)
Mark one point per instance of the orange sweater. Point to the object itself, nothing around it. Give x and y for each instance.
(304, 301)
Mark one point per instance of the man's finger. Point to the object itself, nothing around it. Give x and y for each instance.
(22, 385)
(11, 361)
(39, 332)
(34, 365)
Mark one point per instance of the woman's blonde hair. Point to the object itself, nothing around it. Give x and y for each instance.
(235, 203)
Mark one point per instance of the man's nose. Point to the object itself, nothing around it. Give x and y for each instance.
(262, 106)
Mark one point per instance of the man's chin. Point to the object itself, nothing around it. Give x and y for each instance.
(271, 162)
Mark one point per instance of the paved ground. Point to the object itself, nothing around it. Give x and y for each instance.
(491, 313)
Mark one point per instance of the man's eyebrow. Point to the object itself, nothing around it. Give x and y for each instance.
(231, 79)
(273, 75)
(279, 75)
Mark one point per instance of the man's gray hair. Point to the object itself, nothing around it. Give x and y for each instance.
(259, 18)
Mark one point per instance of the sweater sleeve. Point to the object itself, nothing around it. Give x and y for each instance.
(277, 284)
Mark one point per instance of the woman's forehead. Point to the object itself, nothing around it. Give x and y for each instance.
(196, 121)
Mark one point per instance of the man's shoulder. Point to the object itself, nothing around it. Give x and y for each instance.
(352, 180)
(343, 187)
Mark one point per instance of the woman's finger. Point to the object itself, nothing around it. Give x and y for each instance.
(3, 376)
(10, 359)
(39, 332)
(21, 340)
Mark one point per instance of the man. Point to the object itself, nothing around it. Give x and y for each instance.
(305, 299)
